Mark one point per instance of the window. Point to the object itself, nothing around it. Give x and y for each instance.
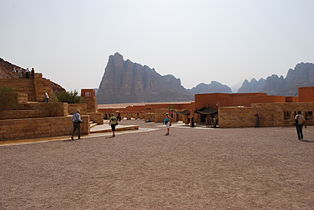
(309, 115)
(286, 115)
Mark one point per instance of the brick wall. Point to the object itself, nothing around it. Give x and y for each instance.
(306, 94)
(39, 127)
(271, 114)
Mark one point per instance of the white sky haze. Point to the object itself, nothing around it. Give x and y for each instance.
(69, 41)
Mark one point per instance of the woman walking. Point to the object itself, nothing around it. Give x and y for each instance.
(167, 122)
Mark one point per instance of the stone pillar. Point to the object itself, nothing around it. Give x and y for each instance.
(90, 99)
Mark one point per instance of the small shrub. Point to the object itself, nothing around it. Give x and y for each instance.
(8, 98)
(70, 97)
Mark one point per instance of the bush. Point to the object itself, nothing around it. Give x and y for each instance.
(8, 98)
(70, 97)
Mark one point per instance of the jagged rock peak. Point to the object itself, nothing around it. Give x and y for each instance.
(125, 81)
(301, 75)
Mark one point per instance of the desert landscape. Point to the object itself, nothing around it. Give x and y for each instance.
(193, 168)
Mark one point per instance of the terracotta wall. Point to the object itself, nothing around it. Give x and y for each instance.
(271, 114)
(40, 127)
(235, 99)
(306, 94)
(292, 99)
(145, 111)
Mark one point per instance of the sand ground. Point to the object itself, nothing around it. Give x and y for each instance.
(193, 168)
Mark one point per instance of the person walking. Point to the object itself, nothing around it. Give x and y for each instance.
(299, 122)
(76, 119)
(113, 122)
(167, 122)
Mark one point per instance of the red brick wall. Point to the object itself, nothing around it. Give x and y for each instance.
(306, 94)
(236, 99)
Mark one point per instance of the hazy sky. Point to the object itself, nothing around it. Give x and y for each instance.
(69, 41)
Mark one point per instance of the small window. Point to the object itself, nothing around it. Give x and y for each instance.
(309, 115)
(286, 115)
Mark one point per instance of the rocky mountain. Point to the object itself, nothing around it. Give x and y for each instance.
(213, 87)
(7, 70)
(125, 81)
(301, 75)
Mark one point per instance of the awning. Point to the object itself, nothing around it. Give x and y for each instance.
(185, 112)
(207, 110)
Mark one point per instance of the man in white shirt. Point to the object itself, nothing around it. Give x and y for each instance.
(76, 119)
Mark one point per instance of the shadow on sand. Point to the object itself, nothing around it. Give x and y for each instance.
(307, 141)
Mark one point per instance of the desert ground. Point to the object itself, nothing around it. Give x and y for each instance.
(193, 168)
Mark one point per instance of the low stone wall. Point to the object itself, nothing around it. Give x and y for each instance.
(40, 127)
(36, 110)
(96, 117)
(20, 114)
(72, 108)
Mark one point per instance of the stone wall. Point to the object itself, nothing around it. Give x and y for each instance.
(41, 86)
(40, 127)
(96, 117)
(20, 114)
(22, 85)
(270, 114)
(74, 107)
(91, 104)
(36, 110)
(22, 98)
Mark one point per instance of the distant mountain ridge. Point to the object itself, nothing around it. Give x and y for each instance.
(125, 82)
(302, 75)
(213, 87)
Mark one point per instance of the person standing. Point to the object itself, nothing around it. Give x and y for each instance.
(76, 119)
(46, 97)
(167, 122)
(119, 117)
(256, 120)
(299, 122)
(113, 122)
(33, 73)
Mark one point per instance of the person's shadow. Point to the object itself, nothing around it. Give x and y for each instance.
(308, 141)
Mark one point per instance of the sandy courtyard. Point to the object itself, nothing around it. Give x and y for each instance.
(193, 168)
